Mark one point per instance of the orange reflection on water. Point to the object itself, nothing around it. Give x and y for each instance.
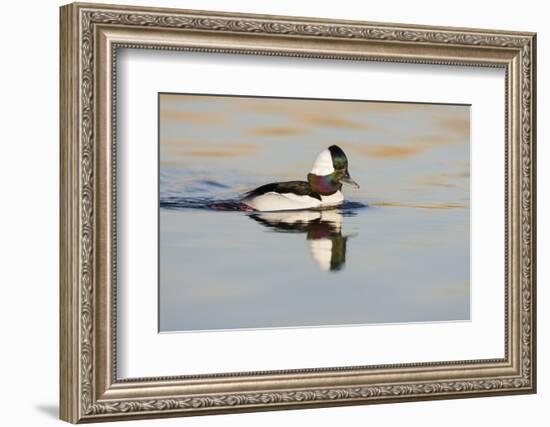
(388, 151)
(422, 205)
(194, 117)
(275, 131)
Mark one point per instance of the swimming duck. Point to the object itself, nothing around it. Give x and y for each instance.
(322, 188)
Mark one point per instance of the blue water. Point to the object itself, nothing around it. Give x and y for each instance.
(225, 267)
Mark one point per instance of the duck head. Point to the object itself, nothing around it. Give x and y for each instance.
(329, 171)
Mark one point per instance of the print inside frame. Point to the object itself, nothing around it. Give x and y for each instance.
(415, 158)
(141, 131)
(114, 363)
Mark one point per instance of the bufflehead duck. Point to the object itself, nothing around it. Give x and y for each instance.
(322, 188)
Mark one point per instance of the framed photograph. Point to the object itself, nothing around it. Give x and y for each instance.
(266, 212)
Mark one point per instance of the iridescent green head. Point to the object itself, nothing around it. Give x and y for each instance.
(329, 171)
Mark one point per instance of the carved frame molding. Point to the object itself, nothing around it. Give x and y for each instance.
(90, 37)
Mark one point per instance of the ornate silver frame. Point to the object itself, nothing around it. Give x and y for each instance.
(90, 36)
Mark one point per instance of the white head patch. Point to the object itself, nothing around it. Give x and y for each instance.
(323, 164)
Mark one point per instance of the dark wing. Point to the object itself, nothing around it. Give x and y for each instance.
(301, 188)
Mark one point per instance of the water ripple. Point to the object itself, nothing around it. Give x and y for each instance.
(348, 208)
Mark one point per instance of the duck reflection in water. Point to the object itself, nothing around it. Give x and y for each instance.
(323, 231)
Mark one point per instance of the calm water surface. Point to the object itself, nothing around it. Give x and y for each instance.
(397, 251)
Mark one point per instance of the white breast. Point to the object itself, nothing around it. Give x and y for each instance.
(281, 202)
(332, 200)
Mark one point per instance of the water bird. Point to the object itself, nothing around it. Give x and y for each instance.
(321, 190)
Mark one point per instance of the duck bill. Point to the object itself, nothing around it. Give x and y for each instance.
(348, 180)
